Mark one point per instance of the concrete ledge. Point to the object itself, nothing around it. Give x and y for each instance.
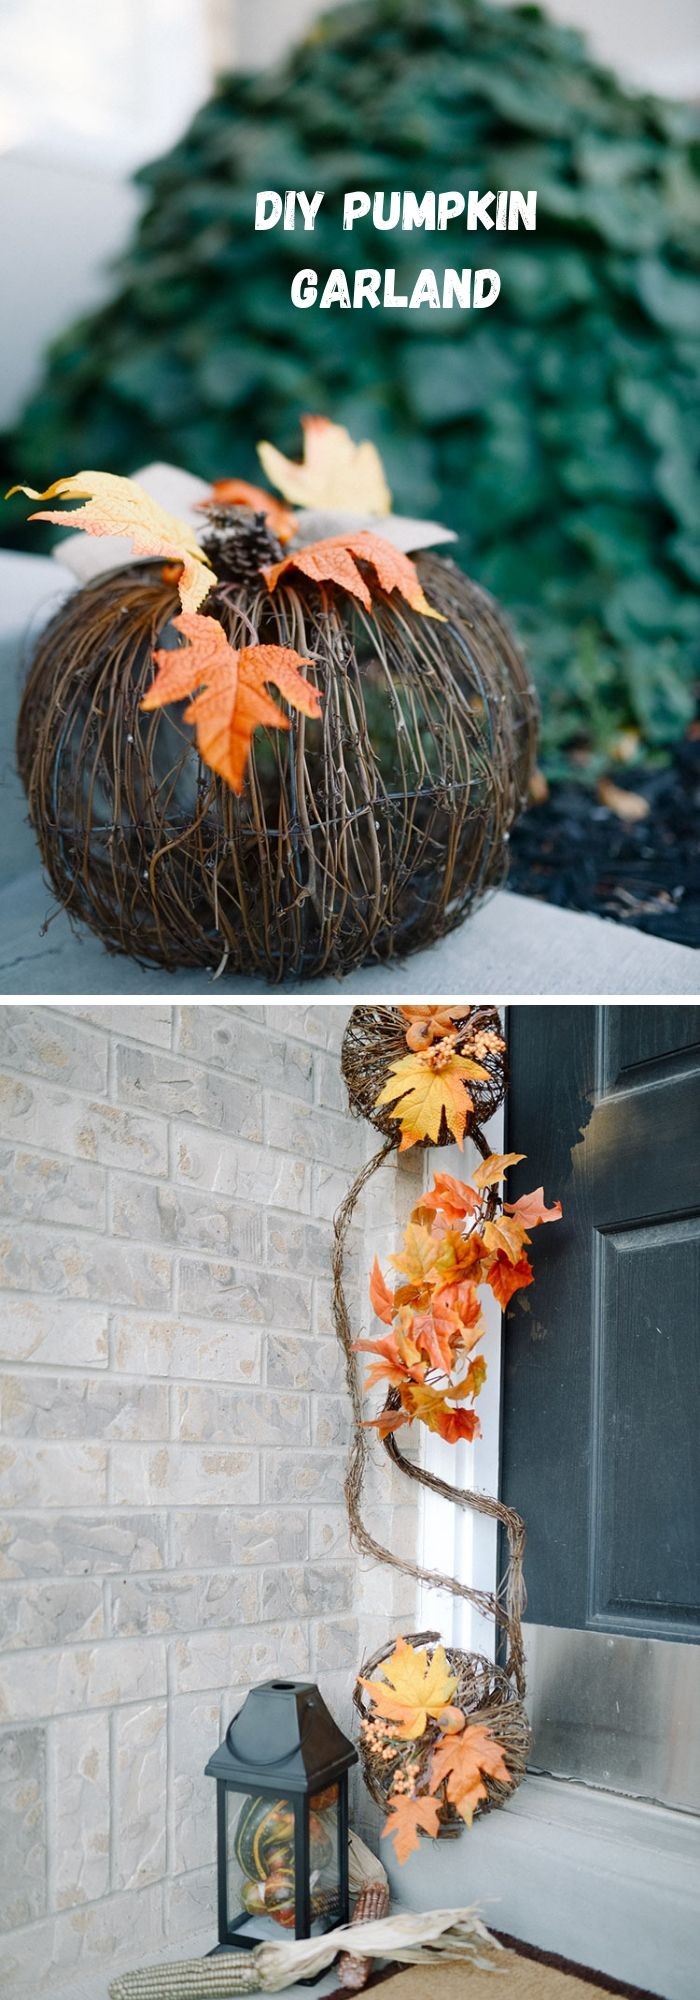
(511, 946)
(607, 1881)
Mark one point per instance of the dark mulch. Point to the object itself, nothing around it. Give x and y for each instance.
(575, 852)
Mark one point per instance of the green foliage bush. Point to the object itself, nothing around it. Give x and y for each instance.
(557, 432)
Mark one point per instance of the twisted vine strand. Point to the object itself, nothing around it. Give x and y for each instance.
(505, 1605)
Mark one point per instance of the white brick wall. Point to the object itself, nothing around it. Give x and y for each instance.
(173, 1429)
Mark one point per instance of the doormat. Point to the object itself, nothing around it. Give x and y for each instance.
(524, 1973)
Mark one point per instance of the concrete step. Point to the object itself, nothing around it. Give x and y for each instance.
(512, 946)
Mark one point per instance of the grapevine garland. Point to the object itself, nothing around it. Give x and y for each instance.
(460, 1237)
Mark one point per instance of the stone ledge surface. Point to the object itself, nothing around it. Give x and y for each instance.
(510, 947)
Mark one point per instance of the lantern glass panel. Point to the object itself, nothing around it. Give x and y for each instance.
(263, 1840)
(324, 1861)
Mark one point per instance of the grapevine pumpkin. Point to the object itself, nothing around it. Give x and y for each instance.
(362, 818)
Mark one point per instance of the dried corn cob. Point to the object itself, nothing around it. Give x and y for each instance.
(373, 1901)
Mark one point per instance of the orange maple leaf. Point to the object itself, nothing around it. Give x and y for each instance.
(399, 1361)
(436, 1337)
(429, 1024)
(117, 506)
(472, 1383)
(239, 493)
(462, 1321)
(449, 1197)
(381, 1299)
(388, 1421)
(462, 1257)
(428, 1088)
(405, 1817)
(493, 1169)
(335, 561)
(459, 1761)
(432, 1408)
(233, 700)
(505, 1278)
(531, 1209)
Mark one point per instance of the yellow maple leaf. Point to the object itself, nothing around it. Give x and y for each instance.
(427, 1089)
(414, 1687)
(116, 506)
(493, 1169)
(421, 1256)
(507, 1234)
(335, 473)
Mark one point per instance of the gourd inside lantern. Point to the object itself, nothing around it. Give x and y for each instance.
(363, 834)
(261, 1867)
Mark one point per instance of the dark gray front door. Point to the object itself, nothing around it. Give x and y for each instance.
(601, 1421)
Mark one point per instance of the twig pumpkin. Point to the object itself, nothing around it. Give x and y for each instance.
(362, 834)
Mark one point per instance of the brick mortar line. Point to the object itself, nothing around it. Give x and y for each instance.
(169, 1178)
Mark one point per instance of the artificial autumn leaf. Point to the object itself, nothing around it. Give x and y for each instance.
(493, 1169)
(456, 1309)
(429, 1024)
(406, 1815)
(335, 560)
(181, 669)
(239, 493)
(507, 1235)
(426, 1092)
(421, 1256)
(414, 1687)
(459, 1761)
(116, 506)
(436, 1337)
(381, 1299)
(432, 1408)
(388, 1421)
(225, 726)
(233, 699)
(452, 1198)
(462, 1257)
(472, 1383)
(399, 1361)
(505, 1278)
(335, 473)
(532, 1209)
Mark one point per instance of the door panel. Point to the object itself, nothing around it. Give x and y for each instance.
(601, 1401)
(644, 1540)
(601, 1355)
(641, 1044)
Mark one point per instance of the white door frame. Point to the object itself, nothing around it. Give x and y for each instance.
(452, 1539)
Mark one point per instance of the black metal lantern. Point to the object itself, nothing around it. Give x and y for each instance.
(282, 1817)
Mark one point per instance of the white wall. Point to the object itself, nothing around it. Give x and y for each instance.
(61, 225)
(654, 44)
